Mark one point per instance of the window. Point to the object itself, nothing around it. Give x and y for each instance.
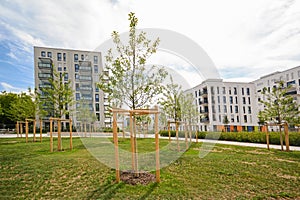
(219, 98)
(225, 109)
(96, 89)
(234, 91)
(232, 118)
(229, 91)
(77, 96)
(212, 90)
(249, 100)
(75, 57)
(65, 68)
(231, 100)
(76, 67)
(64, 57)
(292, 75)
(287, 77)
(236, 109)
(97, 97)
(96, 59)
(213, 109)
(218, 91)
(219, 108)
(248, 91)
(245, 118)
(59, 56)
(97, 106)
(199, 101)
(95, 68)
(49, 54)
(299, 73)
(98, 116)
(249, 110)
(43, 54)
(66, 77)
(244, 110)
(195, 93)
(77, 76)
(231, 110)
(224, 99)
(77, 87)
(82, 57)
(224, 90)
(220, 118)
(236, 100)
(243, 91)
(59, 68)
(237, 119)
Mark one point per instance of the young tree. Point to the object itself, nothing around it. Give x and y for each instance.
(225, 122)
(58, 97)
(128, 80)
(279, 106)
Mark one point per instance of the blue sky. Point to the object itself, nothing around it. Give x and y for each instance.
(245, 39)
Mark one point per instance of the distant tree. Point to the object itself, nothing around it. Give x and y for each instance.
(189, 111)
(85, 114)
(127, 80)
(279, 106)
(171, 100)
(58, 97)
(225, 122)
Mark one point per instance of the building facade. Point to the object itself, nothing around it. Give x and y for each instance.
(225, 106)
(82, 69)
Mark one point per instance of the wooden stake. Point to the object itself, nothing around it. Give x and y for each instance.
(59, 135)
(115, 135)
(157, 174)
(185, 135)
(178, 147)
(267, 137)
(132, 142)
(41, 130)
(21, 129)
(286, 132)
(34, 130)
(51, 136)
(197, 134)
(26, 130)
(17, 129)
(169, 132)
(71, 140)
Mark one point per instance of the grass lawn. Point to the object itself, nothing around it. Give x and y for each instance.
(30, 171)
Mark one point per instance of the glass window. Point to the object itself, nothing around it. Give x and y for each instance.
(237, 119)
(195, 93)
(224, 90)
(218, 99)
(243, 91)
(236, 100)
(231, 110)
(77, 96)
(235, 91)
(231, 100)
(97, 106)
(59, 56)
(225, 109)
(66, 78)
(59, 68)
(77, 87)
(229, 91)
(75, 57)
(82, 57)
(95, 59)
(244, 100)
(224, 99)
(64, 56)
(95, 68)
(97, 97)
(65, 68)
(245, 118)
(249, 100)
(248, 91)
(43, 54)
(249, 110)
(76, 67)
(77, 76)
(236, 109)
(49, 54)
(244, 109)
(218, 90)
(98, 116)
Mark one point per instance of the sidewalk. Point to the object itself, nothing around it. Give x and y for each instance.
(246, 144)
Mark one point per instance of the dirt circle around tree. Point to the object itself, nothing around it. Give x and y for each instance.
(143, 178)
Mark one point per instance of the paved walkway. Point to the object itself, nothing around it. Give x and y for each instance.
(246, 144)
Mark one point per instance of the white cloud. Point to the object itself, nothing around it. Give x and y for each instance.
(9, 88)
(257, 36)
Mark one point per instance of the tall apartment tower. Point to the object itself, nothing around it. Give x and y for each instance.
(82, 69)
(217, 100)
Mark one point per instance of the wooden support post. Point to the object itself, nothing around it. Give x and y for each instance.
(123, 129)
(286, 132)
(197, 134)
(51, 136)
(132, 142)
(84, 129)
(115, 135)
(59, 135)
(21, 129)
(34, 130)
(178, 147)
(267, 137)
(71, 141)
(17, 129)
(185, 135)
(41, 130)
(26, 130)
(169, 131)
(157, 174)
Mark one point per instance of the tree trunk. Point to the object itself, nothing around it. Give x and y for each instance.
(281, 139)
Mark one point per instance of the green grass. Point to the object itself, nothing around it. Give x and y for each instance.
(30, 171)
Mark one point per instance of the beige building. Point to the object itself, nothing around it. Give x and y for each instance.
(82, 69)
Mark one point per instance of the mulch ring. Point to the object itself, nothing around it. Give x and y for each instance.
(143, 178)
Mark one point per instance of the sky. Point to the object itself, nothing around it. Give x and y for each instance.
(244, 39)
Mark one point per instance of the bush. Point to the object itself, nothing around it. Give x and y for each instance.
(252, 137)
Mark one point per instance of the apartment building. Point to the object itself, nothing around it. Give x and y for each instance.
(82, 69)
(218, 100)
(291, 77)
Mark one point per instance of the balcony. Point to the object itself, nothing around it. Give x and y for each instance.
(44, 75)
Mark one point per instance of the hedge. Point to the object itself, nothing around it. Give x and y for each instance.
(253, 137)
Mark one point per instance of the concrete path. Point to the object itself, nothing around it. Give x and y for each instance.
(246, 144)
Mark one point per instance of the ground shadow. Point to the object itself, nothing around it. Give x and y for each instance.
(106, 191)
(151, 189)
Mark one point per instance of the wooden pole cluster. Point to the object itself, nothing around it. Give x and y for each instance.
(59, 141)
(132, 114)
(286, 132)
